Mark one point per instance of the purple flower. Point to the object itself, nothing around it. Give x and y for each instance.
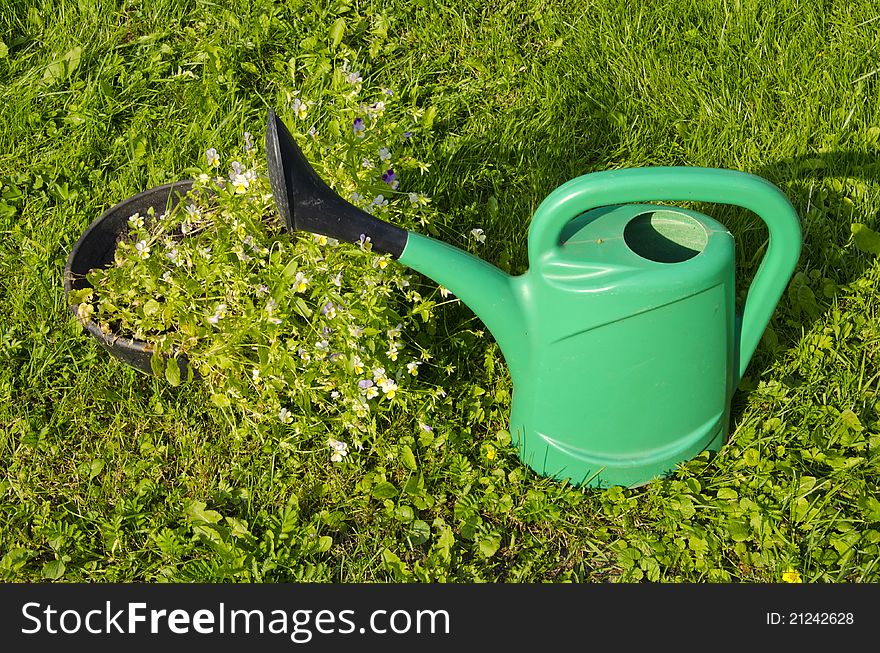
(329, 310)
(407, 135)
(327, 331)
(363, 384)
(390, 178)
(359, 126)
(335, 357)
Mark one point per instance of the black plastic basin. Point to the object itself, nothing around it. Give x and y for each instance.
(95, 249)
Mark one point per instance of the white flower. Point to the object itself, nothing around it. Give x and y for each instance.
(174, 256)
(271, 305)
(321, 239)
(366, 163)
(337, 280)
(211, 156)
(413, 367)
(204, 178)
(389, 387)
(394, 332)
(255, 374)
(357, 364)
(248, 142)
(313, 132)
(322, 345)
(380, 201)
(300, 282)
(384, 153)
(240, 184)
(340, 450)
(479, 235)
(285, 416)
(218, 314)
(413, 198)
(380, 262)
(136, 221)
(236, 170)
(444, 292)
(166, 276)
(354, 78)
(356, 197)
(378, 374)
(372, 392)
(143, 250)
(392, 351)
(300, 108)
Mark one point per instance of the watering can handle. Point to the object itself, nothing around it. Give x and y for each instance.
(670, 184)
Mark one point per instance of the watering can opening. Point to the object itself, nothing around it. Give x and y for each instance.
(665, 236)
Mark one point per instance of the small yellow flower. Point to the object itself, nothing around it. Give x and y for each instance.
(300, 282)
(792, 576)
(300, 108)
(490, 452)
(240, 183)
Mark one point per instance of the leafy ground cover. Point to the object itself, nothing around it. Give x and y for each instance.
(109, 475)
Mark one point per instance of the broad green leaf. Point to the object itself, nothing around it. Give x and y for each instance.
(151, 307)
(871, 508)
(407, 458)
(61, 68)
(4, 50)
(428, 118)
(336, 31)
(384, 490)
(738, 529)
(851, 420)
(220, 400)
(324, 544)
(420, 532)
(445, 543)
(404, 514)
(80, 296)
(15, 559)
(53, 570)
(196, 511)
(95, 468)
(866, 239)
(727, 493)
(172, 372)
(489, 545)
(394, 565)
(239, 527)
(157, 364)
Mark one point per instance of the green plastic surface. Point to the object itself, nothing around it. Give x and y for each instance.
(622, 338)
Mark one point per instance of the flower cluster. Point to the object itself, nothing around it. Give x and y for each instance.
(293, 330)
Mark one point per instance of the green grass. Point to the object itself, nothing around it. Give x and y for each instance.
(112, 476)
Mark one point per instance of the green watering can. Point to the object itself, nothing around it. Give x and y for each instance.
(622, 338)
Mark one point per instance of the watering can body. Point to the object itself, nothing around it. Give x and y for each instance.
(622, 339)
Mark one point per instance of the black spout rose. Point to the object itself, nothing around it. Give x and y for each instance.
(308, 204)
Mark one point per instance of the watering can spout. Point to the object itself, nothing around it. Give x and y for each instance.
(306, 203)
